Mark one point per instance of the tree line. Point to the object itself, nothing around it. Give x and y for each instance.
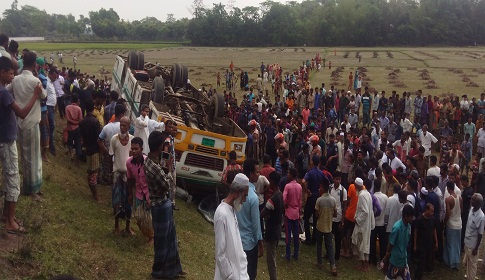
(312, 22)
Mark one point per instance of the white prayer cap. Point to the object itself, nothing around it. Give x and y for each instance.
(241, 179)
(359, 182)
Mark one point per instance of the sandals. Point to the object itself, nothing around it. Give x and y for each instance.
(19, 231)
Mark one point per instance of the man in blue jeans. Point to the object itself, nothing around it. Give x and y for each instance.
(249, 221)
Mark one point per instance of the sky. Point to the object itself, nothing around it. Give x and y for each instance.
(126, 9)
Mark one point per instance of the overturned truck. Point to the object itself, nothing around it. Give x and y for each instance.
(205, 135)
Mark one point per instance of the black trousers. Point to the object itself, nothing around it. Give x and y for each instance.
(337, 235)
(425, 263)
(61, 106)
(309, 212)
(378, 232)
(252, 257)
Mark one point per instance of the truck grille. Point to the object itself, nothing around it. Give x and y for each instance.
(206, 150)
(204, 162)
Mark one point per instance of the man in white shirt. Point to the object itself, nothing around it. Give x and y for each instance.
(61, 105)
(481, 140)
(406, 124)
(427, 139)
(375, 102)
(393, 161)
(330, 130)
(22, 88)
(433, 170)
(231, 262)
(393, 208)
(464, 104)
(51, 106)
(104, 142)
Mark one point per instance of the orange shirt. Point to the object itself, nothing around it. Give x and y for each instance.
(353, 198)
(290, 102)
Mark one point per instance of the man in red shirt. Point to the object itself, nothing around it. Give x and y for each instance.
(265, 171)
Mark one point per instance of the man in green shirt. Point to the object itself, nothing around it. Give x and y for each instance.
(397, 248)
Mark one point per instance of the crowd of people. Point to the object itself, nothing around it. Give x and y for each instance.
(392, 180)
(396, 180)
(97, 131)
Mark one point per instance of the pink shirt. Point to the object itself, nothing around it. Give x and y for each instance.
(73, 116)
(305, 113)
(136, 172)
(292, 200)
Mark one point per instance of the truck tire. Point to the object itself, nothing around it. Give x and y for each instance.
(218, 105)
(133, 60)
(141, 61)
(185, 76)
(176, 75)
(158, 90)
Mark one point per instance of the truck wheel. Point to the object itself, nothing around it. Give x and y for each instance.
(218, 102)
(185, 76)
(158, 89)
(141, 61)
(175, 75)
(133, 60)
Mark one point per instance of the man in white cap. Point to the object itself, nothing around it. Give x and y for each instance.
(231, 262)
(364, 224)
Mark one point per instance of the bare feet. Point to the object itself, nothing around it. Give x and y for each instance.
(150, 242)
(128, 232)
(361, 268)
(36, 197)
(334, 272)
(116, 231)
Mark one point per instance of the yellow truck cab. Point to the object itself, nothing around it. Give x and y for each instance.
(205, 135)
